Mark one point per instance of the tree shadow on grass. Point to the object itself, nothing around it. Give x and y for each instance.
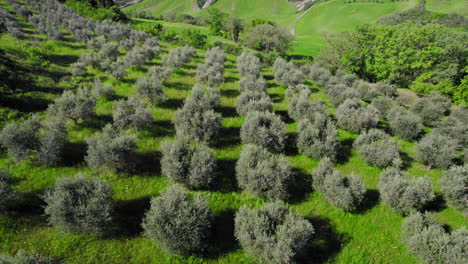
(128, 216)
(276, 98)
(285, 116)
(148, 163)
(325, 243)
(291, 145)
(226, 176)
(172, 103)
(161, 128)
(230, 79)
(436, 205)
(231, 93)
(63, 60)
(371, 199)
(25, 104)
(222, 238)
(406, 160)
(74, 153)
(301, 186)
(98, 122)
(226, 111)
(178, 86)
(344, 152)
(229, 136)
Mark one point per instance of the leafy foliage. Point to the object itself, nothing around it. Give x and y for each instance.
(251, 101)
(377, 148)
(404, 123)
(436, 150)
(264, 129)
(74, 106)
(431, 108)
(353, 116)
(454, 186)
(20, 138)
(132, 112)
(318, 138)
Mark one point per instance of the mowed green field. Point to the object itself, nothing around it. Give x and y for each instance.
(448, 6)
(334, 16)
(161, 7)
(370, 236)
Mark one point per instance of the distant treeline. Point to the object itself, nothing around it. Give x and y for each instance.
(97, 9)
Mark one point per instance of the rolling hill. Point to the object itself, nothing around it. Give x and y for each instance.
(448, 6)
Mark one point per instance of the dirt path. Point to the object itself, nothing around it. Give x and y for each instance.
(293, 26)
(132, 2)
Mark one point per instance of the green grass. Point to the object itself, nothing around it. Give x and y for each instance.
(448, 6)
(371, 236)
(159, 8)
(333, 17)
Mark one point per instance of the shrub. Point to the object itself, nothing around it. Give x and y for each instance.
(79, 204)
(111, 149)
(22, 257)
(318, 138)
(178, 56)
(215, 55)
(404, 123)
(297, 90)
(151, 88)
(317, 74)
(429, 241)
(264, 174)
(109, 50)
(385, 89)
(188, 163)
(353, 116)
(345, 193)
(377, 148)
(252, 83)
(181, 224)
(7, 194)
(20, 138)
(454, 186)
(431, 108)
(248, 64)
(102, 91)
(196, 119)
(132, 112)
(135, 57)
(267, 37)
(151, 47)
(301, 108)
(454, 128)
(52, 143)
(251, 101)
(74, 106)
(264, 129)
(286, 73)
(366, 90)
(159, 72)
(403, 194)
(272, 234)
(436, 150)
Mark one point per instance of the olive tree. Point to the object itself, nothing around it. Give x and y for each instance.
(252, 83)
(353, 116)
(296, 90)
(179, 56)
(7, 194)
(318, 138)
(264, 129)
(263, 173)
(286, 73)
(251, 101)
(431, 243)
(132, 112)
(454, 186)
(74, 106)
(404, 123)
(188, 163)
(79, 204)
(377, 148)
(180, 223)
(151, 88)
(344, 192)
(210, 74)
(20, 139)
(52, 142)
(23, 257)
(111, 149)
(317, 74)
(300, 107)
(436, 150)
(248, 64)
(402, 193)
(453, 127)
(100, 90)
(384, 104)
(431, 108)
(272, 234)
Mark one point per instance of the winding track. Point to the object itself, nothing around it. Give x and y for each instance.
(293, 26)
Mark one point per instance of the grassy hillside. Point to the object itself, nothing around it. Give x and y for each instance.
(334, 16)
(370, 236)
(161, 7)
(448, 6)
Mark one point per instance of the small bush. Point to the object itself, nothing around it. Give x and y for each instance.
(248, 64)
(111, 149)
(74, 106)
(272, 234)
(436, 150)
(151, 88)
(251, 101)
(181, 224)
(353, 116)
(20, 139)
(377, 148)
(429, 241)
(252, 83)
(454, 186)
(79, 204)
(403, 194)
(188, 163)
(404, 123)
(131, 113)
(264, 129)
(383, 104)
(431, 108)
(301, 108)
(7, 194)
(264, 174)
(318, 138)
